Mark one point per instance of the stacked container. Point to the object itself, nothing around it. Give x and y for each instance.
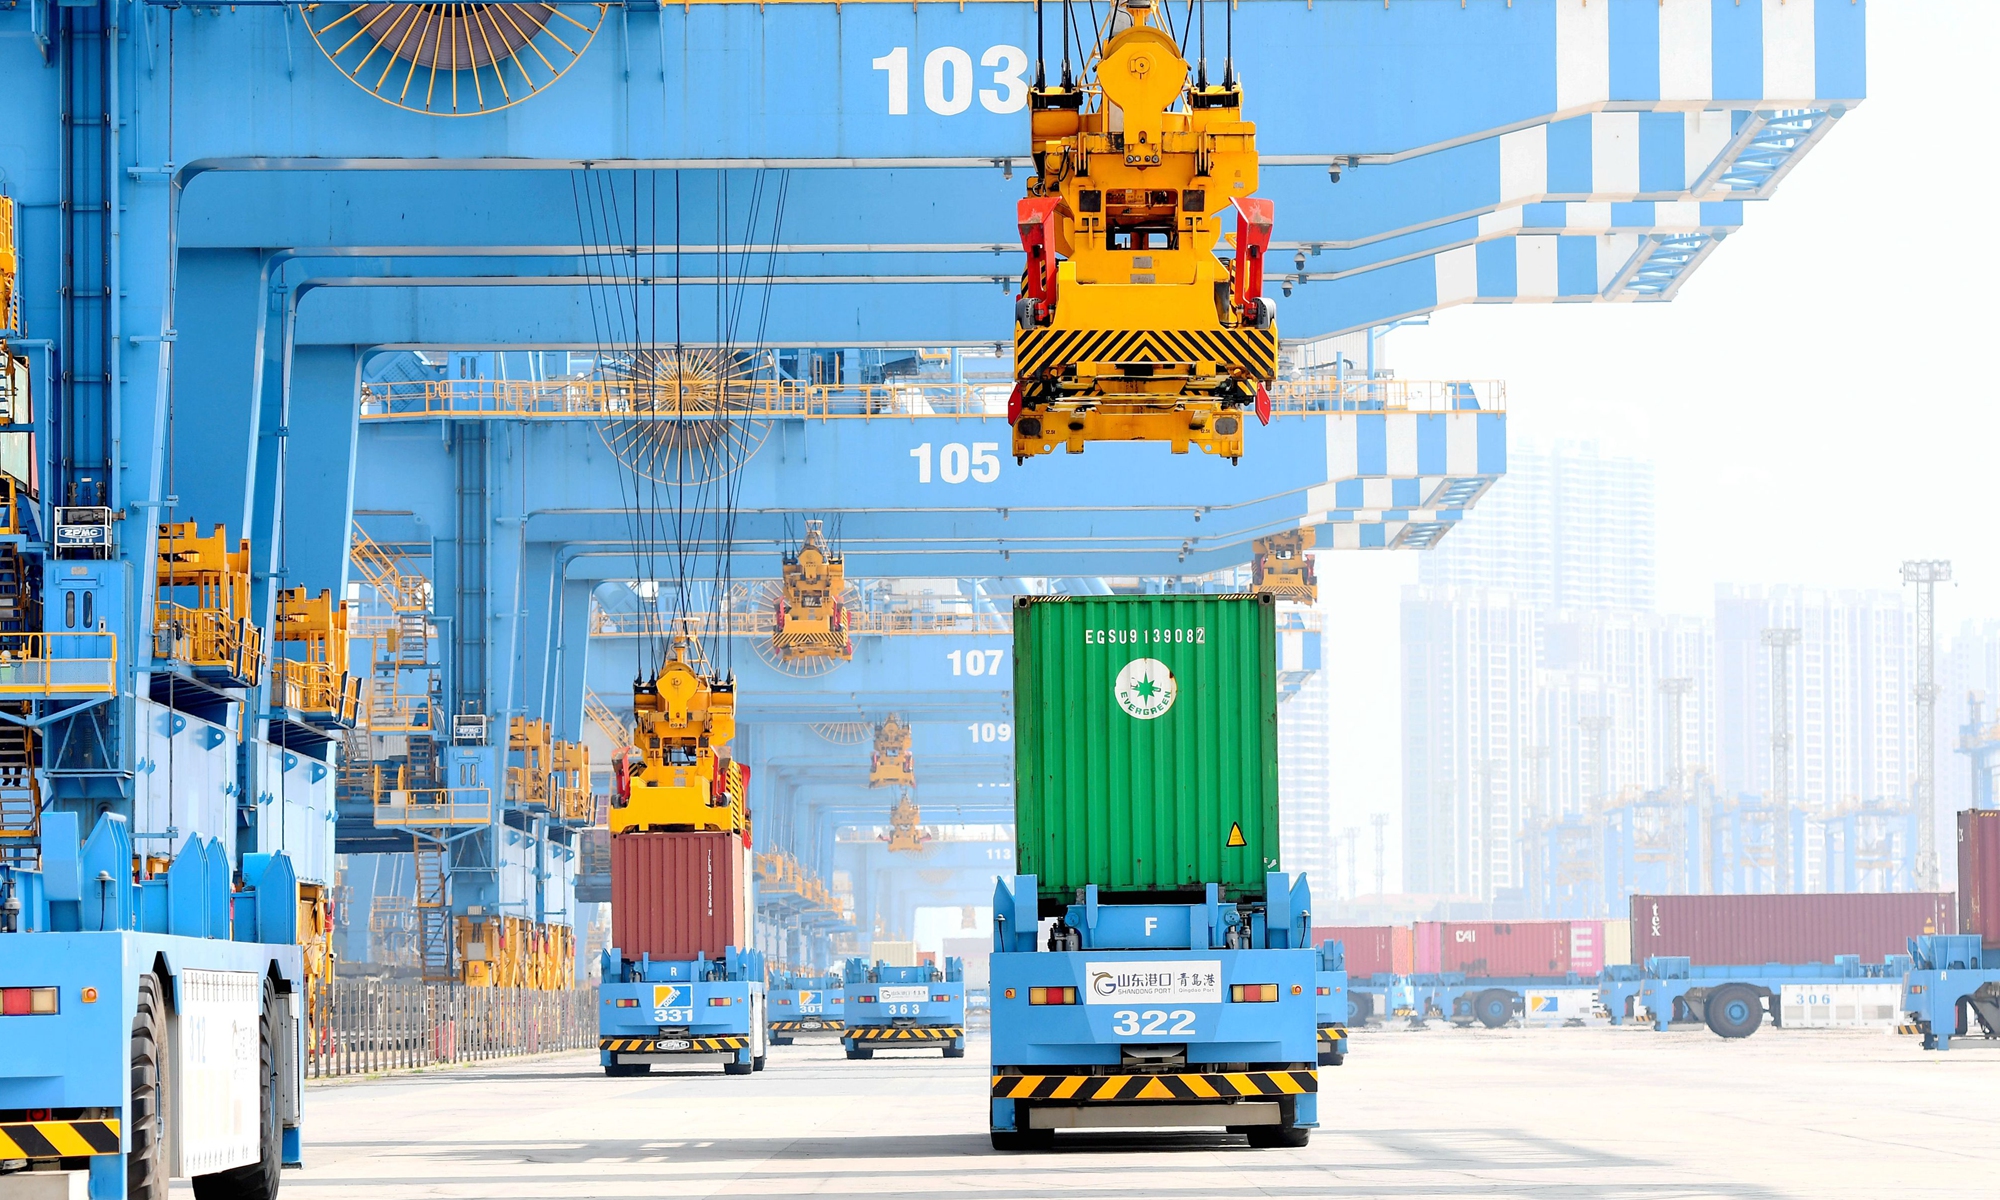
(1371, 949)
(1812, 928)
(1979, 875)
(1506, 949)
(679, 895)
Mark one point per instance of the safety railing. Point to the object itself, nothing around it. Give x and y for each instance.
(372, 1025)
(615, 728)
(316, 690)
(406, 591)
(397, 713)
(208, 638)
(573, 804)
(780, 874)
(754, 622)
(618, 399)
(58, 664)
(10, 488)
(406, 807)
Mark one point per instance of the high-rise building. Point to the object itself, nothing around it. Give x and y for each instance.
(1530, 642)
(1305, 787)
(1971, 665)
(1469, 662)
(1850, 677)
(1568, 530)
(1606, 702)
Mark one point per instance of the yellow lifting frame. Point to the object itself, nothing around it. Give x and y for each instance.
(216, 631)
(892, 764)
(810, 621)
(679, 779)
(318, 681)
(1129, 326)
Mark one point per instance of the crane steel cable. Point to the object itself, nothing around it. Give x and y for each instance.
(681, 498)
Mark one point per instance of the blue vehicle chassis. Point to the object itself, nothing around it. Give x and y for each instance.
(1732, 1001)
(904, 1008)
(1492, 1001)
(1952, 989)
(806, 1008)
(1330, 1004)
(76, 1064)
(1154, 1016)
(682, 1013)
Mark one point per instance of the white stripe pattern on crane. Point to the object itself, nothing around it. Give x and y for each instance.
(1687, 56)
(1791, 71)
(1583, 56)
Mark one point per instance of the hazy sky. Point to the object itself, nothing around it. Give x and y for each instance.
(1818, 399)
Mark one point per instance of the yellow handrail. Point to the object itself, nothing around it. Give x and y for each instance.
(432, 807)
(58, 664)
(405, 591)
(607, 722)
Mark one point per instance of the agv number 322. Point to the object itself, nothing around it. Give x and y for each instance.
(1132, 1022)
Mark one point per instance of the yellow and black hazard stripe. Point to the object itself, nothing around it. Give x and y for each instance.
(1226, 1085)
(659, 1045)
(1907, 1028)
(914, 1033)
(1252, 353)
(1330, 1034)
(58, 1139)
(832, 1026)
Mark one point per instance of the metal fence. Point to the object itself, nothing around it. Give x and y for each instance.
(383, 1024)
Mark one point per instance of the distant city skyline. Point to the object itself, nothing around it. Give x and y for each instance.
(1818, 413)
(1538, 683)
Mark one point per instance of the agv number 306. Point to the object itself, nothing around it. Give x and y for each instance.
(1131, 1022)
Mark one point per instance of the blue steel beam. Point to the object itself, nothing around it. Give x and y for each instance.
(826, 99)
(1605, 157)
(953, 298)
(734, 81)
(1364, 479)
(915, 676)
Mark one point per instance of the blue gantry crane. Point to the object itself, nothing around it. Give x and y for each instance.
(217, 322)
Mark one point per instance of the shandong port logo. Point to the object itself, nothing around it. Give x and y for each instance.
(1145, 688)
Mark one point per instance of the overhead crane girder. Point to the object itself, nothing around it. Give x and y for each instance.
(372, 218)
(933, 497)
(1405, 78)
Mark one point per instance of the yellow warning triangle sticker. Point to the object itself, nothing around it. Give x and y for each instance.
(1235, 835)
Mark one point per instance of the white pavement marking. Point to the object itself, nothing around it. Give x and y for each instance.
(1561, 1113)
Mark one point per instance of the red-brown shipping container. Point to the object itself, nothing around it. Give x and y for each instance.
(1371, 949)
(1734, 931)
(1494, 948)
(1979, 875)
(678, 895)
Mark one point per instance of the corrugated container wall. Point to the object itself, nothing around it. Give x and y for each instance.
(1979, 875)
(1749, 930)
(896, 954)
(1617, 951)
(1495, 948)
(1371, 949)
(678, 895)
(974, 952)
(1146, 756)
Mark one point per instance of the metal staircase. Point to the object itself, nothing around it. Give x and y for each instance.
(434, 947)
(20, 799)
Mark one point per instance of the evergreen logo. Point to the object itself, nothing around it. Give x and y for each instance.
(1145, 688)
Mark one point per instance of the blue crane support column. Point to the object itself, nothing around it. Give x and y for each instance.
(567, 681)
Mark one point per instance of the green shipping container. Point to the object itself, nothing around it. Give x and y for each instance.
(1146, 755)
